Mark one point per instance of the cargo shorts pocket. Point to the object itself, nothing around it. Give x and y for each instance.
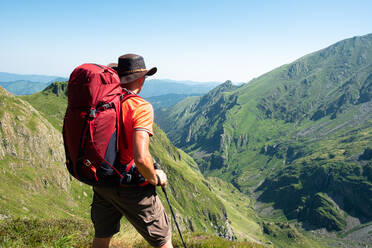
(149, 208)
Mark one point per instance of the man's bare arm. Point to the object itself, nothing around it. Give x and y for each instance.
(143, 158)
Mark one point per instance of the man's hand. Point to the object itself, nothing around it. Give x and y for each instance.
(162, 177)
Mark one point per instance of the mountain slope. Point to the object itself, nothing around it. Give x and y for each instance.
(33, 178)
(196, 120)
(274, 136)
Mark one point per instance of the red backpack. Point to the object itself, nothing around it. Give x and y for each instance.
(91, 127)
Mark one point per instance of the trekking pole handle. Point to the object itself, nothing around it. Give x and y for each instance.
(156, 165)
(159, 181)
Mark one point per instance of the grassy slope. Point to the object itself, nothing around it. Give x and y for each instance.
(34, 183)
(239, 208)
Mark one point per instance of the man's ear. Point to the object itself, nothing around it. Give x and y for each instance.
(140, 80)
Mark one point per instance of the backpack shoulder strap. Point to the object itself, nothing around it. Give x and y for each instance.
(127, 94)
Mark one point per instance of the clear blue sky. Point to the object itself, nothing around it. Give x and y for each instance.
(208, 40)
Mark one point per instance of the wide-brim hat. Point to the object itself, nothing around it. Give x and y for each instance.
(131, 67)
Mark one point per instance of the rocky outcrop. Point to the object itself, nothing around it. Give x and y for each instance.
(367, 154)
(57, 88)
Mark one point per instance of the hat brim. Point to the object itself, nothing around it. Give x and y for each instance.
(126, 79)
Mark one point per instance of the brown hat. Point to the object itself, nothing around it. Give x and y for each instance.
(131, 67)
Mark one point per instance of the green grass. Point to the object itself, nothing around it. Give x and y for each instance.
(240, 211)
(36, 192)
(56, 233)
(67, 233)
(31, 124)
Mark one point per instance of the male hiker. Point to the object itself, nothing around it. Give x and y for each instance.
(139, 204)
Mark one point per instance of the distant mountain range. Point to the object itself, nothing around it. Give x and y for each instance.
(22, 84)
(9, 77)
(173, 90)
(158, 87)
(161, 93)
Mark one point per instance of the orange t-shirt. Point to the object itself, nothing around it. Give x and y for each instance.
(137, 114)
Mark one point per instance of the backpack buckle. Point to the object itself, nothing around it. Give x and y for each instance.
(107, 106)
(87, 163)
(92, 113)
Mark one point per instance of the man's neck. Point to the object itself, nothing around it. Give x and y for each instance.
(136, 91)
(135, 86)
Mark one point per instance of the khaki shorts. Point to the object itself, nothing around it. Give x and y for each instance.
(140, 205)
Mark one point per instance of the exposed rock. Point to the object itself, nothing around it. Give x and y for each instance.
(227, 232)
(58, 88)
(4, 216)
(367, 154)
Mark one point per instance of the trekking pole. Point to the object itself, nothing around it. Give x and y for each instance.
(157, 166)
(174, 216)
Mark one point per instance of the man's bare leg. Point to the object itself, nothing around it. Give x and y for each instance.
(101, 242)
(167, 245)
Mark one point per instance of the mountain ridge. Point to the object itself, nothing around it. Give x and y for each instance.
(158, 87)
(8, 77)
